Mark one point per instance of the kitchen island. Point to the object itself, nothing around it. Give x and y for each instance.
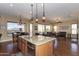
(40, 45)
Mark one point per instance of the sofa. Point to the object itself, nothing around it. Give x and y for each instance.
(49, 34)
(61, 34)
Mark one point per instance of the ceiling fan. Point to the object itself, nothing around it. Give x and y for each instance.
(31, 12)
(44, 17)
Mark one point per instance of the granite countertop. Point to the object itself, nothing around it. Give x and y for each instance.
(37, 40)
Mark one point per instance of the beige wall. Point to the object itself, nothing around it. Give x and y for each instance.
(3, 24)
(64, 26)
(5, 19)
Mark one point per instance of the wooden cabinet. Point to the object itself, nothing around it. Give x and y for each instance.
(45, 49)
(22, 45)
(19, 43)
(14, 38)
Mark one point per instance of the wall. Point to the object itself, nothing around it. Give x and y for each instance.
(65, 26)
(36, 24)
(5, 19)
(3, 25)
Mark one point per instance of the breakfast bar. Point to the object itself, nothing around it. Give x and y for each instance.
(41, 45)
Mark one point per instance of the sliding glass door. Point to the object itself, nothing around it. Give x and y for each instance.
(74, 37)
(41, 28)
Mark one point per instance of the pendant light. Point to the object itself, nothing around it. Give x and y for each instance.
(31, 12)
(20, 21)
(43, 13)
(36, 14)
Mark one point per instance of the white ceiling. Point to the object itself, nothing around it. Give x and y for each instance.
(52, 10)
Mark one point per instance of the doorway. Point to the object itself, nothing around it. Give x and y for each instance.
(74, 35)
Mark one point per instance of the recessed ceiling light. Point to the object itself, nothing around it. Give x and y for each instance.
(11, 5)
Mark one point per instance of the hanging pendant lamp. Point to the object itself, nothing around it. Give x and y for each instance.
(31, 12)
(36, 14)
(43, 18)
(20, 21)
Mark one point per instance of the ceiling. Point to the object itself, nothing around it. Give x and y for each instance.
(52, 10)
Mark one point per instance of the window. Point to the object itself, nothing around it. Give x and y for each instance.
(48, 28)
(40, 28)
(55, 28)
(74, 28)
(14, 27)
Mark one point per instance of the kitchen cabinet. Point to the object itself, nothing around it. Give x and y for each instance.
(22, 45)
(14, 38)
(39, 46)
